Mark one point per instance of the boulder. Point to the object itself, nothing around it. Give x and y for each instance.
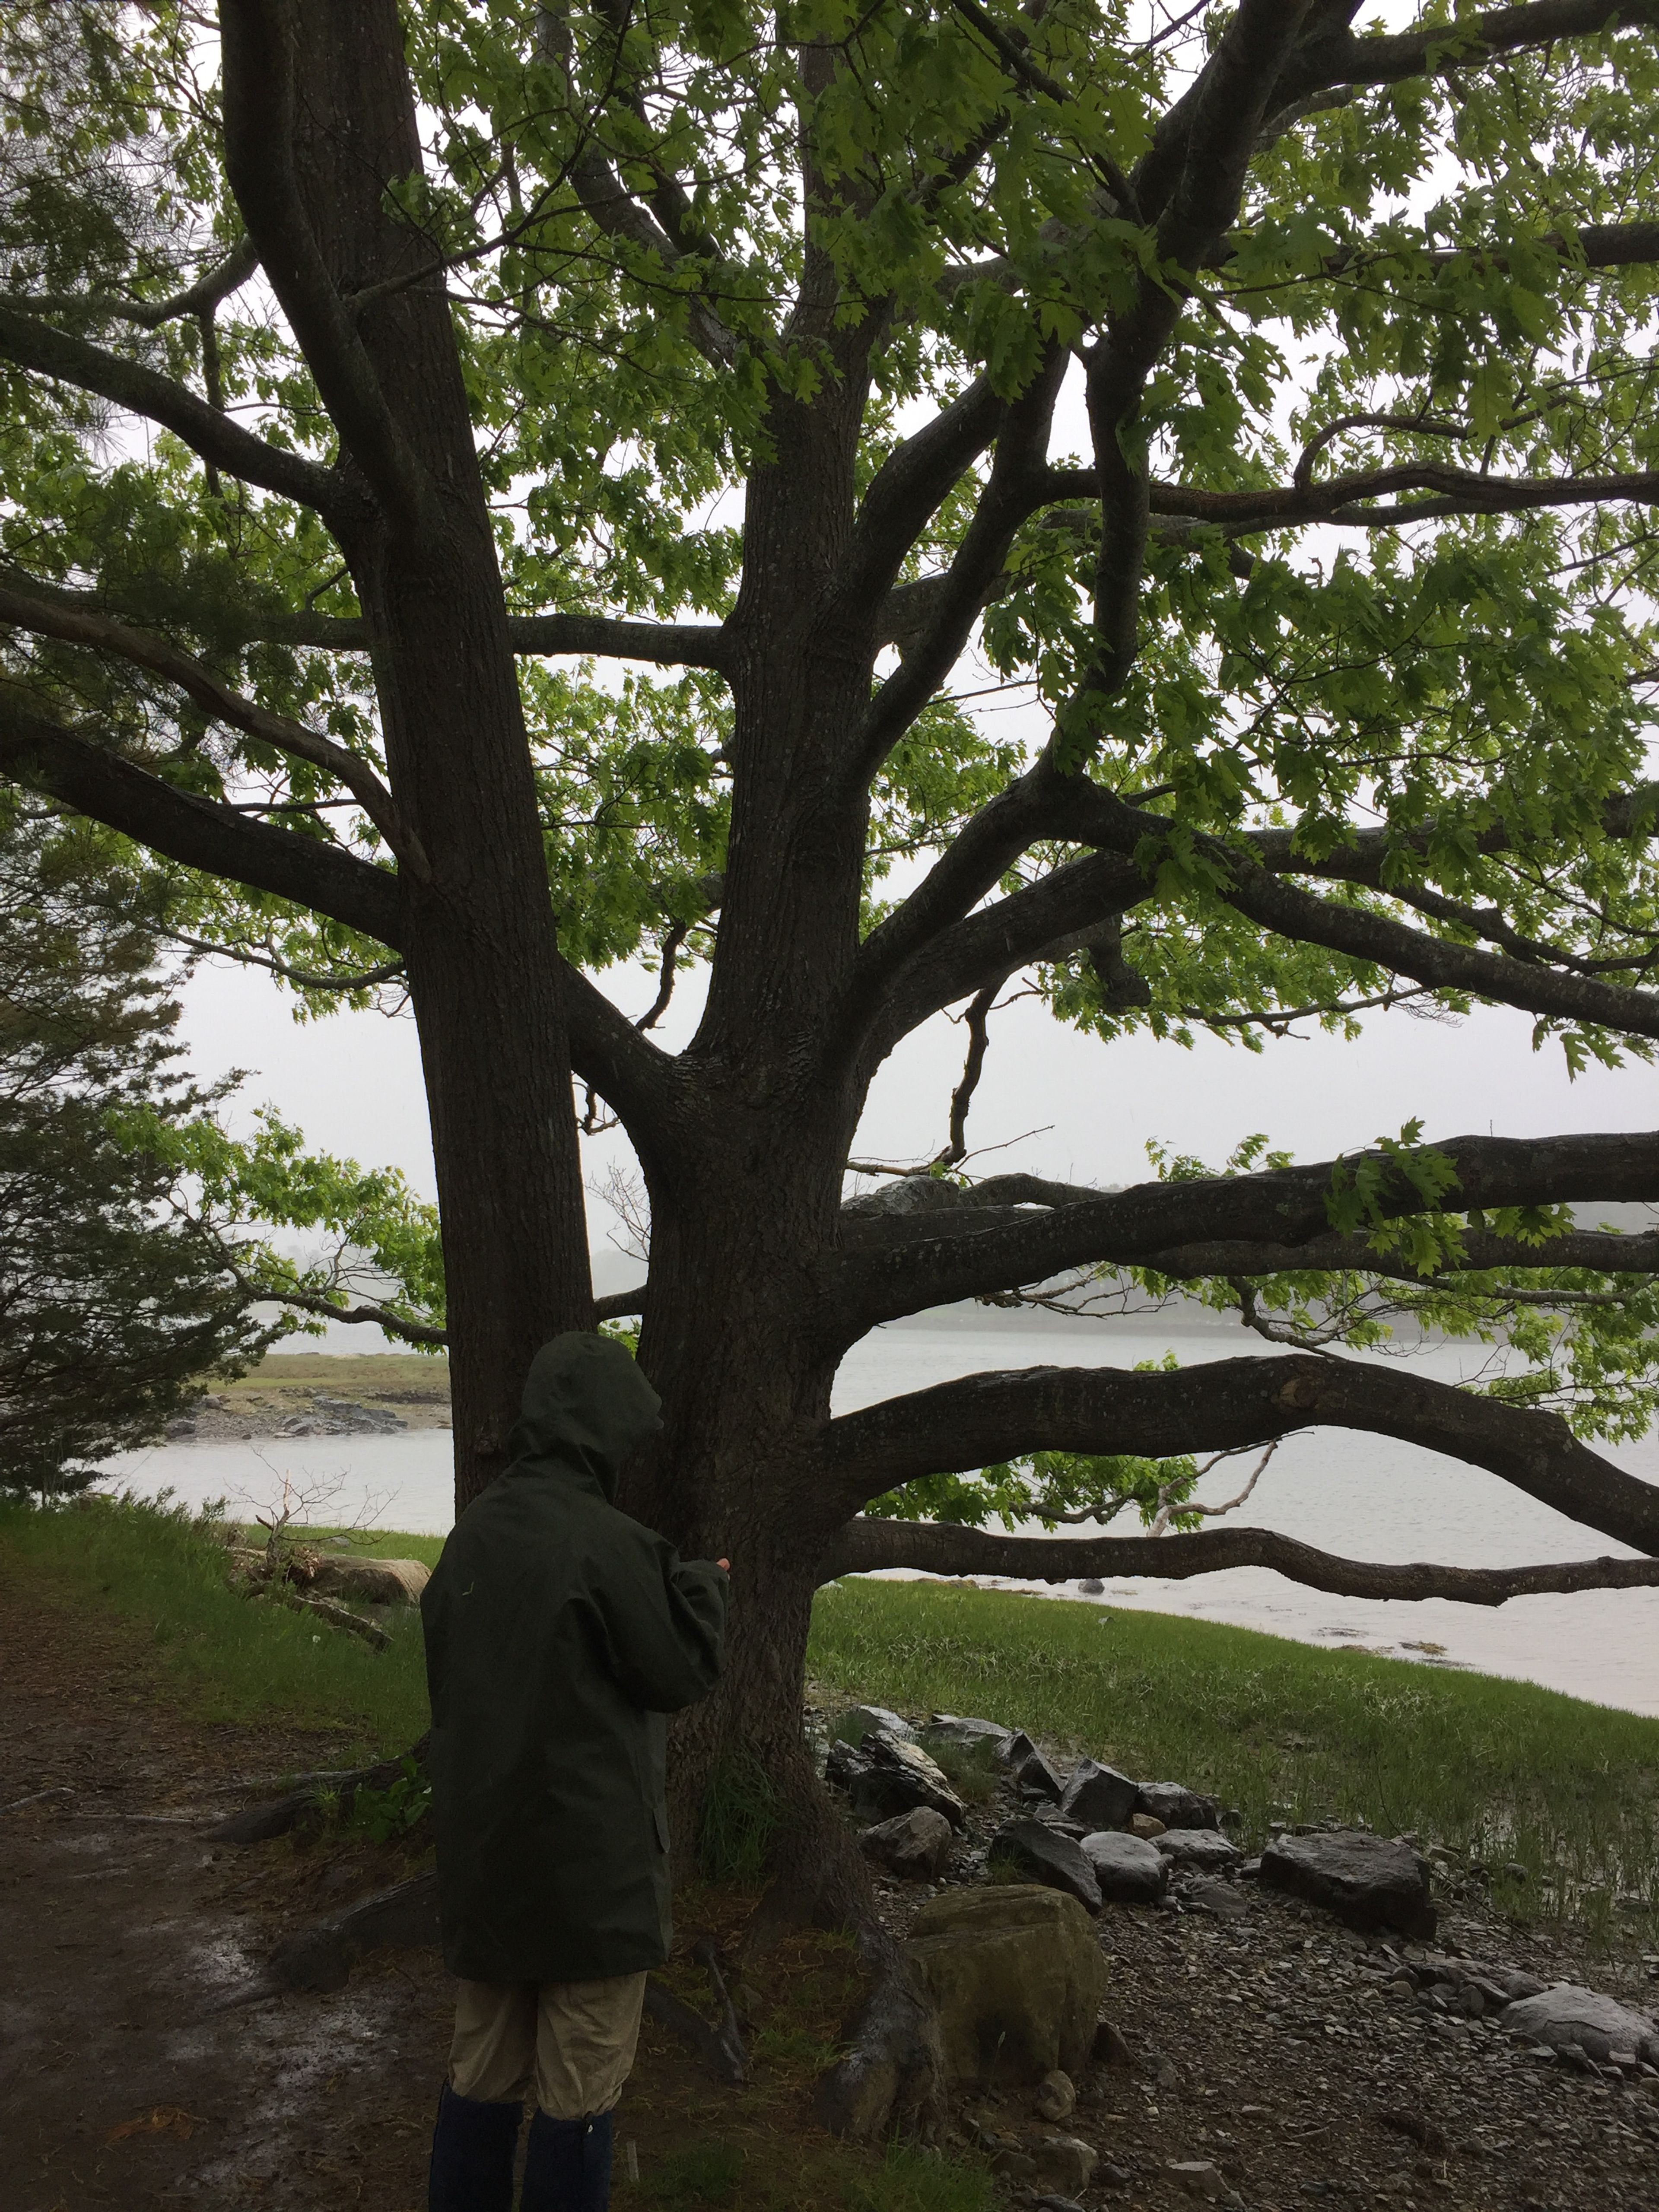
(857, 1722)
(1197, 1850)
(1017, 1979)
(884, 1776)
(1099, 1796)
(957, 1732)
(1365, 1879)
(1128, 1870)
(1599, 2026)
(370, 1581)
(1176, 1806)
(1143, 1825)
(1029, 1769)
(1046, 1855)
(915, 1843)
(1066, 2161)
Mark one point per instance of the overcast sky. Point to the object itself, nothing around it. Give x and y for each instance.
(353, 1084)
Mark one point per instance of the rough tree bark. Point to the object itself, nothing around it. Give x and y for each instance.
(320, 116)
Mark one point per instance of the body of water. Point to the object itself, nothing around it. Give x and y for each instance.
(1362, 1496)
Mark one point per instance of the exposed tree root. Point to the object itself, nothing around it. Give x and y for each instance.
(257, 1824)
(321, 1957)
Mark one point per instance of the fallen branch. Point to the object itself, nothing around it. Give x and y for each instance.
(336, 1616)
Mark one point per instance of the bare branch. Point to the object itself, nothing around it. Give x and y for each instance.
(983, 1420)
(868, 1546)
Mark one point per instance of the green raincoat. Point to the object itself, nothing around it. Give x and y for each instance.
(558, 1634)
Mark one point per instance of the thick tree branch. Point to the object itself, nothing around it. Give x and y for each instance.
(1221, 1405)
(642, 1084)
(1222, 117)
(70, 767)
(46, 352)
(1285, 1209)
(1441, 48)
(47, 618)
(1335, 499)
(867, 1546)
(688, 645)
(1604, 1251)
(423, 1333)
(1020, 450)
(259, 101)
(905, 492)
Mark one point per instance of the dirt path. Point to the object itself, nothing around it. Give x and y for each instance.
(123, 1929)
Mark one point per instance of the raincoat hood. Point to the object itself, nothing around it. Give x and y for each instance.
(585, 1407)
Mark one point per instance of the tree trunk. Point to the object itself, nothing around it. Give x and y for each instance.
(480, 948)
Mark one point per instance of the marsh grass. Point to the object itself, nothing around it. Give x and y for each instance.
(1500, 1771)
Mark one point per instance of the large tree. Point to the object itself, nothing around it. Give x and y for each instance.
(389, 393)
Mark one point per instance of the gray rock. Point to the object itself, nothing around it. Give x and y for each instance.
(1176, 1806)
(858, 1721)
(1220, 1900)
(955, 1732)
(1128, 1870)
(1199, 2177)
(1066, 2160)
(1099, 1796)
(884, 1776)
(1029, 1769)
(1365, 1879)
(1567, 2015)
(915, 1843)
(1016, 1979)
(1056, 2096)
(1048, 1858)
(1198, 1850)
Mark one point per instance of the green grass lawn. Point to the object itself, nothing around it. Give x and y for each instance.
(1282, 1730)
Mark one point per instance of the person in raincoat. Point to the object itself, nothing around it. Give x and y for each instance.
(559, 1633)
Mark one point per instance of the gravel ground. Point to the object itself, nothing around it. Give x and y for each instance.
(1272, 2044)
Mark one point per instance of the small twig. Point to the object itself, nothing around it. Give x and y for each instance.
(59, 1789)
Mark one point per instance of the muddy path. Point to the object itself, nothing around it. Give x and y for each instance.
(123, 2080)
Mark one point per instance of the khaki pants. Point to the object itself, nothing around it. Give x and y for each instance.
(574, 2041)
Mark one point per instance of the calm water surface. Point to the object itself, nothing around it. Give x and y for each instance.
(1366, 1497)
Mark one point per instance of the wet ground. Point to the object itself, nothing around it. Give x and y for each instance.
(1269, 2044)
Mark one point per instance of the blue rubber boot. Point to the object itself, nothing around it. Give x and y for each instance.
(472, 2149)
(567, 2167)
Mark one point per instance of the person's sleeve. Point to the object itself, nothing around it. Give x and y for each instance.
(664, 1622)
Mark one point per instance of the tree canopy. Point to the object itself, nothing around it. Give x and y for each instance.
(493, 490)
